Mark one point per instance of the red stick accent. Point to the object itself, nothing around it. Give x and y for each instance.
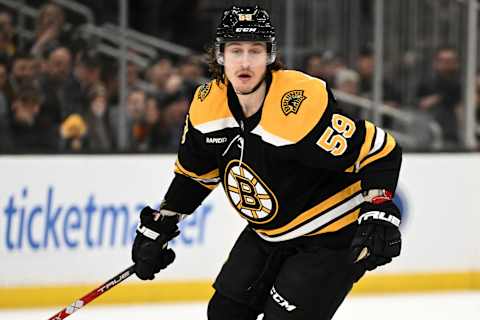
(95, 293)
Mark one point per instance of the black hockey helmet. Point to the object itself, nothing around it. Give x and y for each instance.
(245, 24)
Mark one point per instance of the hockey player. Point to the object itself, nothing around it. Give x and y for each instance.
(315, 186)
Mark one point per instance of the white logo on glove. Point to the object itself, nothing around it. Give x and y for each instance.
(379, 215)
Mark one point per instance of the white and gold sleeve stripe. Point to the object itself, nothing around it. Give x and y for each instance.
(208, 180)
(321, 221)
(216, 125)
(380, 137)
(387, 145)
(377, 144)
(319, 216)
(270, 137)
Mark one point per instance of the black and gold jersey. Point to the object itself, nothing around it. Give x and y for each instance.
(295, 168)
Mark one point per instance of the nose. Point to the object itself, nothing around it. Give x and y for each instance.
(245, 60)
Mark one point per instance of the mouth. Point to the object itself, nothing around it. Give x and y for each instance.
(244, 76)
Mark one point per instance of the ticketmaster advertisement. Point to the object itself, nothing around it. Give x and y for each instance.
(71, 219)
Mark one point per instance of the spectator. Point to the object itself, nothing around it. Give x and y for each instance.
(4, 110)
(332, 64)
(50, 30)
(136, 127)
(441, 97)
(25, 134)
(157, 134)
(324, 65)
(191, 71)
(5, 140)
(6, 22)
(134, 79)
(8, 47)
(99, 135)
(86, 76)
(23, 71)
(348, 81)
(175, 109)
(314, 65)
(109, 77)
(54, 84)
(158, 76)
(60, 64)
(365, 68)
(6, 92)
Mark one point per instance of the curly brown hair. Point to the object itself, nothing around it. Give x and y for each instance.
(217, 71)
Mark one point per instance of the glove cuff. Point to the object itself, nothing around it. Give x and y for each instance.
(158, 225)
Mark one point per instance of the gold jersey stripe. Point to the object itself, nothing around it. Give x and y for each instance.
(208, 186)
(209, 175)
(339, 224)
(367, 144)
(389, 145)
(316, 210)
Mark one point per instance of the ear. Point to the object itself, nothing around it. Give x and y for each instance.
(220, 59)
(219, 56)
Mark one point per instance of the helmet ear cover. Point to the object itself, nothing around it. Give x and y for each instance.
(220, 48)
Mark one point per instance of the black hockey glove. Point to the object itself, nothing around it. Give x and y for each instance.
(149, 251)
(378, 238)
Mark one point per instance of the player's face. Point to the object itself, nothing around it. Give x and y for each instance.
(245, 64)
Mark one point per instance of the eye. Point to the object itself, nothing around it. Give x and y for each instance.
(235, 50)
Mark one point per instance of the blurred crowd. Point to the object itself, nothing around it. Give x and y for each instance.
(58, 94)
(440, 97)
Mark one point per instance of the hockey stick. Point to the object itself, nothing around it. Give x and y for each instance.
(92, 295)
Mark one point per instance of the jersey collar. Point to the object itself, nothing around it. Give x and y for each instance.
(236, 109)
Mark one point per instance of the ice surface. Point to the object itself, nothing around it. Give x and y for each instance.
(441, 306)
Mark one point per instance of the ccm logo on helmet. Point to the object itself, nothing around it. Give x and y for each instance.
(245, 29)
(379, 215)
(281, 300)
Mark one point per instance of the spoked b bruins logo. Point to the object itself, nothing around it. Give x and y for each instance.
(203, 91)
(291, 101)
(249, 194)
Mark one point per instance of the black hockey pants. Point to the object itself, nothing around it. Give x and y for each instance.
(305, 278)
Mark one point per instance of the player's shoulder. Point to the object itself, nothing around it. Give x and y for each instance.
(292, 83)
(286, 77)
(294, 105)
(209, 106)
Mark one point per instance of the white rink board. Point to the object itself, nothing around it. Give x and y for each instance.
(57, 225)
